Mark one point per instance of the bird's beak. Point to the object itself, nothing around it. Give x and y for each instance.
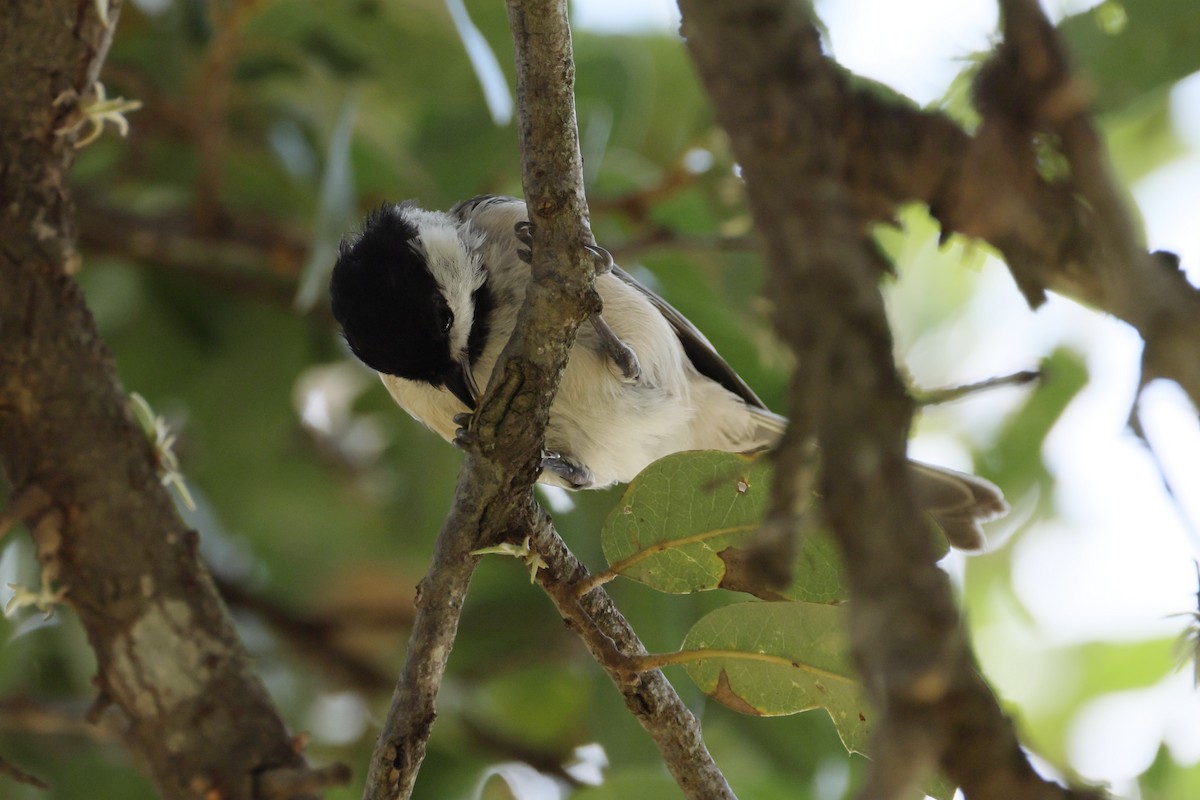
(461, 382)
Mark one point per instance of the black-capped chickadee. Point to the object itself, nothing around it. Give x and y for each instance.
(428, 299)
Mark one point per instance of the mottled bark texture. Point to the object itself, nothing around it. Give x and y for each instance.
(106, 530)
(493, 499)
(821, 162)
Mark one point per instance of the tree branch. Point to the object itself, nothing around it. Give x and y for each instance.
(1097, 257)
(243, 258)
(20, 776)
(316, 637)
(167, 653)
(648, 696)
(789, 115)
(1072, 236)
(493, 499)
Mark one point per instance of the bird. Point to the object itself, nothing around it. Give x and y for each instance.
(428, 299)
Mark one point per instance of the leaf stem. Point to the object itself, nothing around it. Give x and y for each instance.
(681, 657)
(624, 564)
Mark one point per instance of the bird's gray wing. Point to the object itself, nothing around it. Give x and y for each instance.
(467, 209)
(699, 349)
(696, 346)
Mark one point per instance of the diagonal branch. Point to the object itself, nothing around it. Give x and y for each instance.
(1072, 236)
(648, 695)
(493, 499)
(167, 654)
(790, 117)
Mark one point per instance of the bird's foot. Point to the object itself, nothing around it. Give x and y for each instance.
(623, 360)
(603, 260)
(465, 438)
(572, 473)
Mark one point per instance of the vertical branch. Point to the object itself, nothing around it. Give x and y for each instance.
(552, 175)
(493, 499)
(551, 165)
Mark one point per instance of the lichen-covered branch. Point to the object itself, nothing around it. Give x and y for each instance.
(109, 540)
(795, 127)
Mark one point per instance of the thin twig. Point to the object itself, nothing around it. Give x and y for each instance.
(592, 582)
(503, 450)
(552, 175)
(493, 500)
(20, 776)
(948, 394)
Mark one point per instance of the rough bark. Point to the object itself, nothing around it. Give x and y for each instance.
(106, 529)
(820, 163)
(493, 499)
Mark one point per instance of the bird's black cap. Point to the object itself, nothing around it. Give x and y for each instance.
(390, 309)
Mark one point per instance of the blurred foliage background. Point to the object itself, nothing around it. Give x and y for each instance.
(267, 129)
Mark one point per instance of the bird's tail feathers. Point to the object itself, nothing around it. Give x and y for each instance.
(957, 502)
(769, 425)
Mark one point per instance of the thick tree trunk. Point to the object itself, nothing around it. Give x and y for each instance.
(106, 530)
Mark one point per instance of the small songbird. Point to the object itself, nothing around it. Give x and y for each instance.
(428, 300)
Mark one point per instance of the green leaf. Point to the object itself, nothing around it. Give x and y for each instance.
(1134, 47)
(684, 523)
(769, 659)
